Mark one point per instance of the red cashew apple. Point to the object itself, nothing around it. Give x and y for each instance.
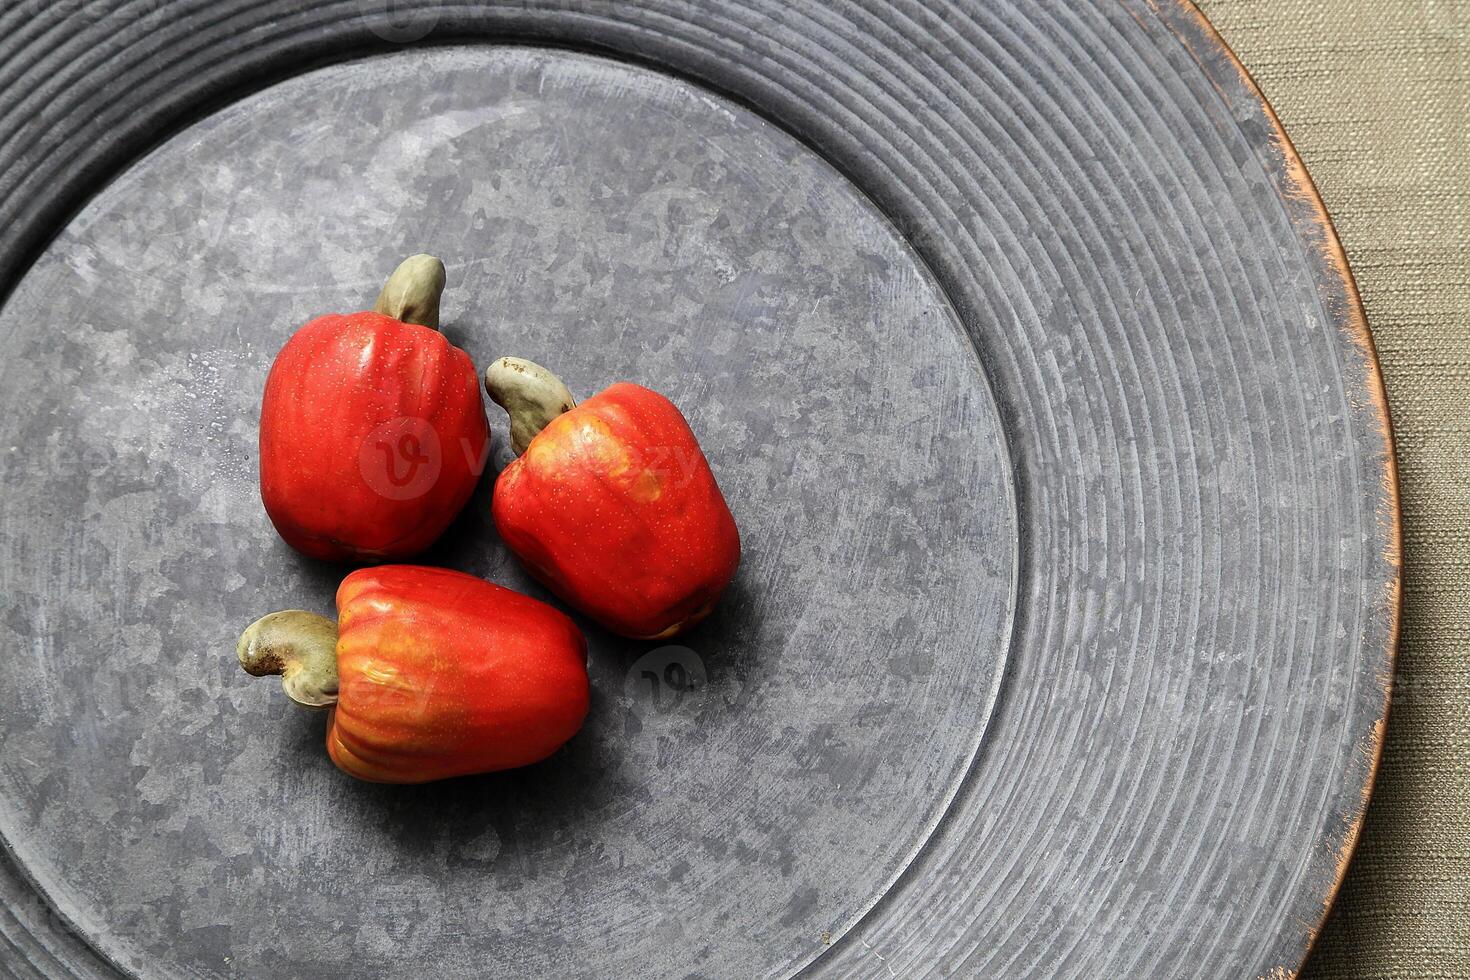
(611, 503)
(372, 429)
(429, 673)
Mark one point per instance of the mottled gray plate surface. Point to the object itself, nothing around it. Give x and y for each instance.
(1016, 338)
(620, 224)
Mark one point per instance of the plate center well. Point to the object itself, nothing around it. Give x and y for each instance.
(738, 798)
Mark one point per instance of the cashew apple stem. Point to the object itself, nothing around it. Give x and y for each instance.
(301, 647)
(412, 292)
(531, 395)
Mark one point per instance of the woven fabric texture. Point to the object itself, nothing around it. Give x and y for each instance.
(1375, 95)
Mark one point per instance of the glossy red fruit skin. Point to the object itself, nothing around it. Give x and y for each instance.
(613, 507)
(442, 674)
(372, 437)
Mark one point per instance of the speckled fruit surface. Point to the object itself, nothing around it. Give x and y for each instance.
(1015, 337)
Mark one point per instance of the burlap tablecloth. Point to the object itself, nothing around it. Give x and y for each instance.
(1375, 95)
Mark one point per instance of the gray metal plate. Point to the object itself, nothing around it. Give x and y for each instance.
(1017, 340)
(620, 224)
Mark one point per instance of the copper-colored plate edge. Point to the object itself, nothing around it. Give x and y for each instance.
(1305, 191)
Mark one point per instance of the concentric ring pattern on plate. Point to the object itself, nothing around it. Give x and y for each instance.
(1174, 774)
(619, 222)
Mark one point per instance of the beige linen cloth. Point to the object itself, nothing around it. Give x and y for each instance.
(1375, 95)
